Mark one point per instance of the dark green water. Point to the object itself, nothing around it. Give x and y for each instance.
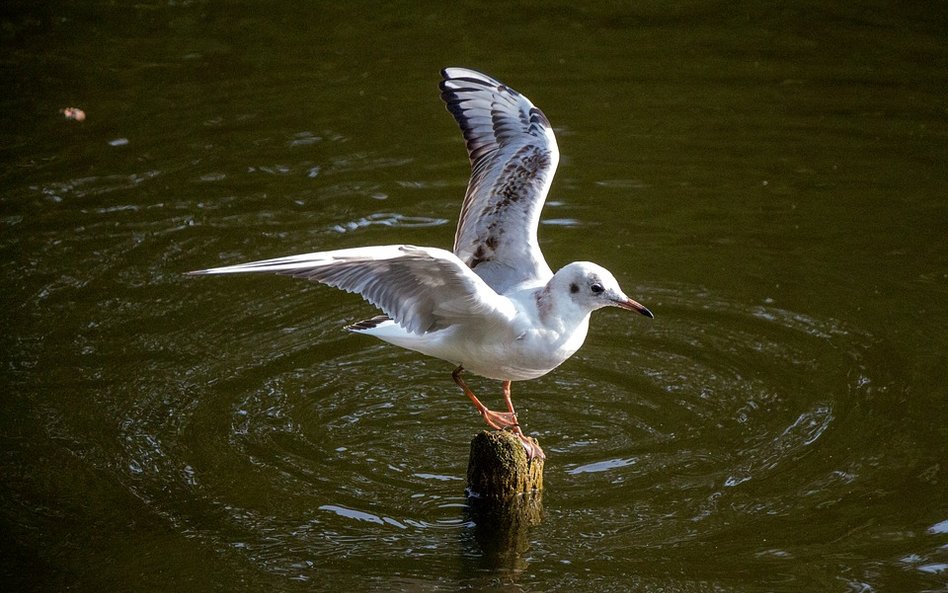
(768, 178)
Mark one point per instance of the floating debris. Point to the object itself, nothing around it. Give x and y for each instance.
(73, 113)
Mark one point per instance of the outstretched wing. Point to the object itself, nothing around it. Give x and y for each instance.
(420, 288)
(513, 157)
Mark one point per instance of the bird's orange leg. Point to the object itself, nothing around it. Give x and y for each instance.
(498, 420)
(501, 420)
(529, 443)
(507, 398)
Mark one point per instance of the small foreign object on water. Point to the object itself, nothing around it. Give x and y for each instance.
(73, 113)
(492, 306)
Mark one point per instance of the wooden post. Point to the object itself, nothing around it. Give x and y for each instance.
(504, 498)
(499, 469)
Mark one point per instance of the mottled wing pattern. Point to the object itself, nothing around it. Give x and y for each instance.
(513, 157)
(422, 289)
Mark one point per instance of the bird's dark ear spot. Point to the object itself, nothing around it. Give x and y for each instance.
(574, 288)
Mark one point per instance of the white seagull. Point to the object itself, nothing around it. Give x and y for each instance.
(492, 307)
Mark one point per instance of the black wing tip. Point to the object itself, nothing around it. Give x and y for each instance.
(539, 118)
(370, 323)
(470, 76)
(445, 72)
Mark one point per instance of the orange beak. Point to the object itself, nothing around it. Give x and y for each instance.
(630, 305)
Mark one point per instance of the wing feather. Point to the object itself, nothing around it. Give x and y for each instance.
(513, 157)
(422, 289)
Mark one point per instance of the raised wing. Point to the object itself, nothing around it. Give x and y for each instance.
(422, 289)
(513, 157)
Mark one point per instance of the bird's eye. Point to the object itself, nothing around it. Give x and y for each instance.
(596, 288)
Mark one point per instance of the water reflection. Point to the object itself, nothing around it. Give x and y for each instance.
(499, 539)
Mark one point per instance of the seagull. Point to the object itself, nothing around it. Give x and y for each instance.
(492, 306)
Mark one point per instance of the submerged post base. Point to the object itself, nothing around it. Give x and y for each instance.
(505, 498)
(498, 467)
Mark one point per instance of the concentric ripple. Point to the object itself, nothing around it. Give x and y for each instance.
(715, 418)
(315, 445)
(238, 413)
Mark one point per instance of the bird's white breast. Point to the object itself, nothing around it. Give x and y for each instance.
(515, 352)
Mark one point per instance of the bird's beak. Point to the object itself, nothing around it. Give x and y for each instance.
(630, 305)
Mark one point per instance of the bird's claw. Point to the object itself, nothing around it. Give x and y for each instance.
(529, 443)
(500, 420)
(532, 447)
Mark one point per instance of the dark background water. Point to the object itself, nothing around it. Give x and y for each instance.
(769, 178)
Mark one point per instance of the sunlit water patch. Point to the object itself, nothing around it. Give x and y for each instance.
(389, 219)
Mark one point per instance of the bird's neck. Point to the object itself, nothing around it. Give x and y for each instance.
(557, 314)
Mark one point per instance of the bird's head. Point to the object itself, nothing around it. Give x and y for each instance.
(589, 286)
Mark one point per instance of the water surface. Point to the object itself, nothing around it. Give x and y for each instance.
(768, 180)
